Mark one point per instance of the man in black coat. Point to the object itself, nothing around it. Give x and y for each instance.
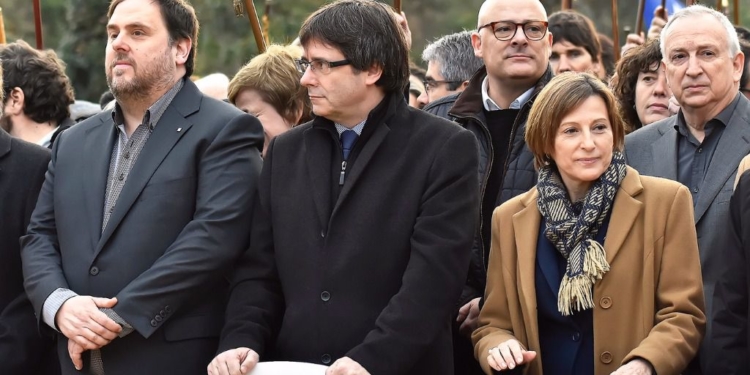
(22, 349)
(361, 239)
(731, 314)
(144, 208)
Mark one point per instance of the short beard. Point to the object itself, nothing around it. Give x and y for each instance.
(158, 76)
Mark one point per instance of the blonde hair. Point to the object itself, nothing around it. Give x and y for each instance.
(560, 96)
(274, 75)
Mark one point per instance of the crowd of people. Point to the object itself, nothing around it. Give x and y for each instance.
(334, 203)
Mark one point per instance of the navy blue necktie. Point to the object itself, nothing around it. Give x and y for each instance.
(348, 139)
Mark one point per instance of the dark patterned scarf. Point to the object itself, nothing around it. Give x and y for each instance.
(574, 234)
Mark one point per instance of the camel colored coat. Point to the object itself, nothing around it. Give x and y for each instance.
(649, 305)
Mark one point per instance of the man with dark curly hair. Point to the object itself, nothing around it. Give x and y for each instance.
(640, 86)
(37, 94)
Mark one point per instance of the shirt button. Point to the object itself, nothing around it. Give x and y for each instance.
(695, 189)
(325, 358)
(94, 271)
(700, 149)
(325, 296)
(576, 336)
(121, 176)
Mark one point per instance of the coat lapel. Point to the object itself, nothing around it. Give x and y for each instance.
(95, 164)
(363, 159)
(664, 152)
(526, 223)
(4, 151)
(733, 145)
(170, 128)
(318, 160)
(625, 210)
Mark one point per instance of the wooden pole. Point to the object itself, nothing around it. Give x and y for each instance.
(397, 6)
(38, 25)
(567, 4)
(736, 13)
(252, 16)
(719, 5)
(639, 17)
(2, 28)
(615, 30)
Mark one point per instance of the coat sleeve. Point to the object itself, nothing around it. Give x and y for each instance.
(495, 323)
(40, 253)
(440, 248)
(679, 322)
(256, 302)
(729, 352)
(207, 246)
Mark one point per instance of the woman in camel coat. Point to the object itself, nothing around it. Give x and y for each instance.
(596, 269)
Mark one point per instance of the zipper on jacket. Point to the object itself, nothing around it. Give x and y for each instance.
(342, 176)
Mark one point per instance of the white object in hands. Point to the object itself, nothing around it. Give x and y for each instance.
(288, 368)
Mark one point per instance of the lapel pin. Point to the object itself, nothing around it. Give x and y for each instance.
(179, 129)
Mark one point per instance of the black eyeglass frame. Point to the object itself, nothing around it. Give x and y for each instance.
(427, 83)
(515, 29)
(303, 64)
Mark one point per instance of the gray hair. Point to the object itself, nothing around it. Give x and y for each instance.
(455, 55)
(700, 10)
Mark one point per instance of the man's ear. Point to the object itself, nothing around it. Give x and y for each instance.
(182, 49)
(373, 74)
(14, 102)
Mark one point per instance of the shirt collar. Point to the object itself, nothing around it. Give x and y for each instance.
(357, 128)
(722, 118)
(155, 111)
(47, 140)
(490, 105)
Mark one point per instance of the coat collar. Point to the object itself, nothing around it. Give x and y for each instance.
(5, 141)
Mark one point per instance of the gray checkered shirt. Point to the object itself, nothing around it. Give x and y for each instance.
(124, 154)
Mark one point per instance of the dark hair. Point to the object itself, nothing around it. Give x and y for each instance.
(742, 33)
(366, 33)
(41, 76)
(577, 29)
(745, 78)
(608, 54)
(106, 97)
(181, 22)
(562, 95)
(644, 58)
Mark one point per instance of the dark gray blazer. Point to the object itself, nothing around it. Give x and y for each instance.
(180, 222)
(652, 151)
(22, 349)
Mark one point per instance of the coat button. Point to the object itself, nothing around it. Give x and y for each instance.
(158, 318)
(162, 313)
(325, 358)
(168, 309)
(154, 323)
(605, 302)
(325, 296)
(576, 336)
(606, 357)
(323, 234)
(94, 271)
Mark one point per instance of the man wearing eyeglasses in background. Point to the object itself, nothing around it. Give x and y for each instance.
(361, 239)
(513, 41)
(450, 64)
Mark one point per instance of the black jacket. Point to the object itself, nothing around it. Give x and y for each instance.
(372, 272)
(519, 173)
(22, 349)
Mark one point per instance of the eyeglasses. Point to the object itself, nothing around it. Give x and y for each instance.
(431, 85)
(506, 30)
(318, 66)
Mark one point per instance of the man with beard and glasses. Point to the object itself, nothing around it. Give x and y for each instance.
(37, 92)
(144, 208)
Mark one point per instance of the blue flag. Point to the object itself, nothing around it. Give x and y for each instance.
(648, 11)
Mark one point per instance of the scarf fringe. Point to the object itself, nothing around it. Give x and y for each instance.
(576, 292)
